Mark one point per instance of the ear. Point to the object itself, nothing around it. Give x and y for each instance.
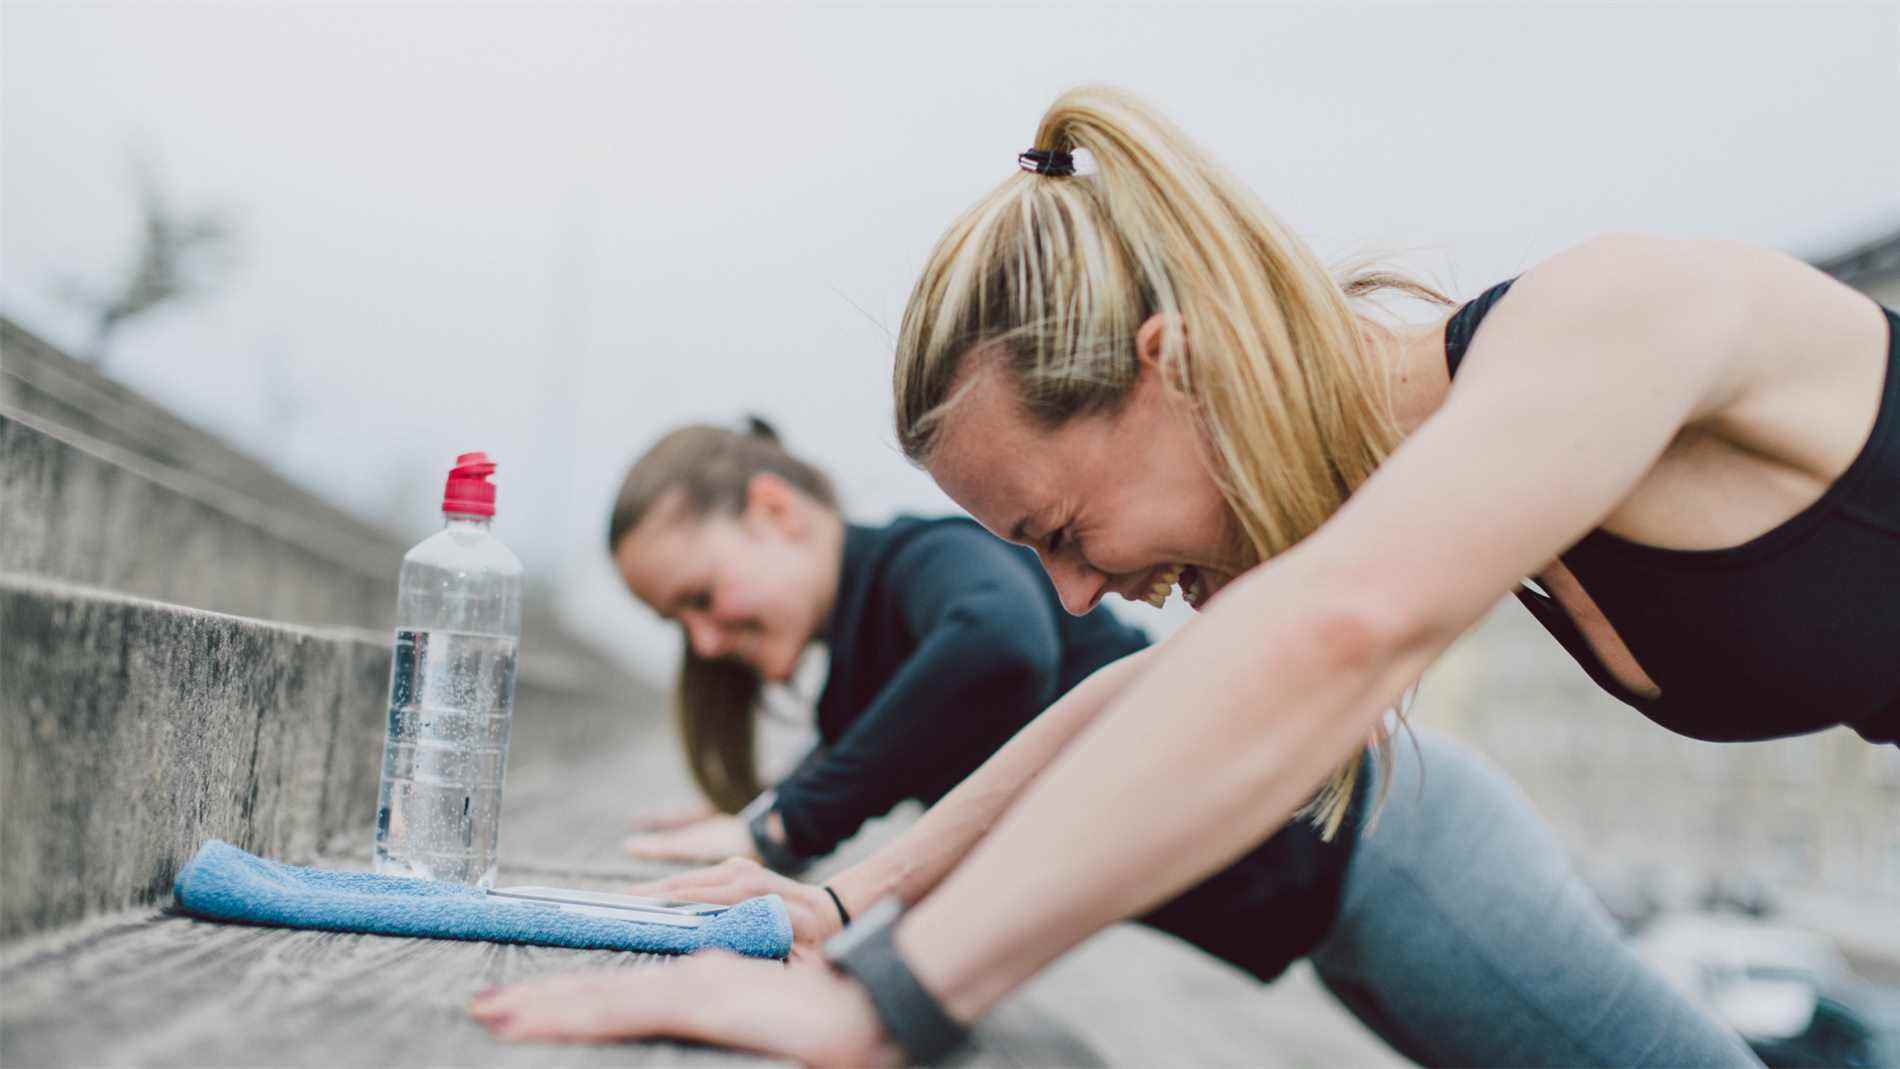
(772, 501)
(1158, 339)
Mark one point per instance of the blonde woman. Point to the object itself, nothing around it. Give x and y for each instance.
(1693, 447)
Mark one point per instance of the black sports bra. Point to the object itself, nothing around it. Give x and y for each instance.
(1793, 631)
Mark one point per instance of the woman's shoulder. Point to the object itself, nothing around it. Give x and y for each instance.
(1759, 315)
(934, 541)
(1642, 279)
(937, 560)
(1721, 315)
(1780, 362)
(1705, 289)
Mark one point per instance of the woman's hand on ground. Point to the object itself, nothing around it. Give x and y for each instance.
(709, 839)
(805, 1010)
(814, 916)
(675, 816)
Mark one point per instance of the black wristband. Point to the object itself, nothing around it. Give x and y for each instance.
(916, 1021)
(776, 854)
(844, 915)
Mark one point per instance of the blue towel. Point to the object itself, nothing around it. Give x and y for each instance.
(225, 883)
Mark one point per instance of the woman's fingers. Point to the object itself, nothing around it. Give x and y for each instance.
(731, 881)
(814, 919)
(575, 1007)
(811, 1014)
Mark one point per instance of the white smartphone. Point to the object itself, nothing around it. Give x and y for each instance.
(567, 896)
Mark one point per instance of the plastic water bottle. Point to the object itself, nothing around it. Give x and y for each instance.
(451, 692)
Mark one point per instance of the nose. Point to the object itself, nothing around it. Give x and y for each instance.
(1079, 587)
(703, 636)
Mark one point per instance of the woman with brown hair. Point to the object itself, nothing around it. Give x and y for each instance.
(943, 640)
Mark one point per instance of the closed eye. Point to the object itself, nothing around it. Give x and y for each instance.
(697, 600)
(1065, 538)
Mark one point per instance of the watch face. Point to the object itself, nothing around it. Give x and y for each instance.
(866, 927)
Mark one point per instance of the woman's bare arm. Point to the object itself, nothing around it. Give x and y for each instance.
(919, 859)
(1580, 380)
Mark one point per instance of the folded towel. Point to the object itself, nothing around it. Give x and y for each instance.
(224, 883)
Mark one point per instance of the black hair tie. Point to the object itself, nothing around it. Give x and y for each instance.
(752, 425)
(1047, 161)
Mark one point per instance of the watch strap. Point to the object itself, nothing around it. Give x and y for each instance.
(916, 1021)
(775, 852)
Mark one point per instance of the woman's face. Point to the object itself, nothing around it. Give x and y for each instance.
(752, 588)
(1113, 504)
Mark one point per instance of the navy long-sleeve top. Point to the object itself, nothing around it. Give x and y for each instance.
(946, 640)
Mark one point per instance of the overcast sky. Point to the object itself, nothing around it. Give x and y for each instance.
(555, 233)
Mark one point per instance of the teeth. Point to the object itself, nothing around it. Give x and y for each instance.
(1163, 586)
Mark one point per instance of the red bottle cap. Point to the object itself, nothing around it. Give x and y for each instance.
(468, 491)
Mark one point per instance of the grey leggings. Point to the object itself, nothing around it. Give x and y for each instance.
(1466, 938)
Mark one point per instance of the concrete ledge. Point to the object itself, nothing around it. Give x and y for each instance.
(105, 488)
(88, 512)
(40, 381)
(130, 731)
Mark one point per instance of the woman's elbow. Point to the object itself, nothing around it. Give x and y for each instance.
(1339, 629)
(1350, 636)
(1027, 672)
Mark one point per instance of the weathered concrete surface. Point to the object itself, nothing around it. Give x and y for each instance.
(38, 380)
(105, 488)
(130, 731)
(148, 987)
(88, 512)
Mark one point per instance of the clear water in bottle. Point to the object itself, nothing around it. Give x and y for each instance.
(451, 693)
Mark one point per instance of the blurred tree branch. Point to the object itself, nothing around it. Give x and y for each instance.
(182, 253)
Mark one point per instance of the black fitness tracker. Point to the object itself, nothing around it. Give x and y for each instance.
(914, 1018)
(773, 850)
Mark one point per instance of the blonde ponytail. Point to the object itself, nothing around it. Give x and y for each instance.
(1055, 274)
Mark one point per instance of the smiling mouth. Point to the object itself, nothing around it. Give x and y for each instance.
(1162, 581)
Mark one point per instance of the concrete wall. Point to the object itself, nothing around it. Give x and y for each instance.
(85, 511)
(38, 379)
(130, 731)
